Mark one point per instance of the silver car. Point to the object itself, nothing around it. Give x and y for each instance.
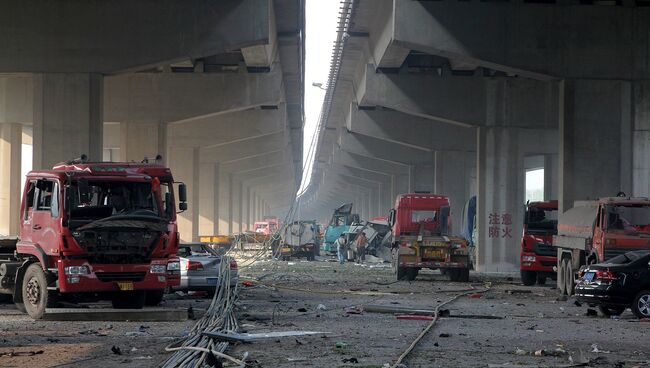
(200, 268)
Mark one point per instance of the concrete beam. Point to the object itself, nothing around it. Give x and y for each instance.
(171, 97)
(224, 129)
(373, 147)
(534, 40)
(246, 148)
(460, 100)
(108, 37)
(423, 134)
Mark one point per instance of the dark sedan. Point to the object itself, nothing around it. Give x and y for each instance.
(619, 283)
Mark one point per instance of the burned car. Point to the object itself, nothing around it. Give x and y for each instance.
(619, 283)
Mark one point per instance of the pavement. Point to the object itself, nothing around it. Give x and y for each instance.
(509, 325)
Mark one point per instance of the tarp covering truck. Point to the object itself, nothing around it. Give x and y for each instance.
(92, 231)
(421, 238)
(595, 231)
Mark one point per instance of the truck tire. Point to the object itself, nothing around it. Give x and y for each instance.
(153, 297)
(528, 278)
(129, 299)
(641, 305)
(561, 276)
(458, 274)
(569, 277)
(36, 297)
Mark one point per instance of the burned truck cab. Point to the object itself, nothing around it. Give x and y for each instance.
(97, 231)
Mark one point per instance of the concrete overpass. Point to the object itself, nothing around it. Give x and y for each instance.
(214, 87)
(461, 98)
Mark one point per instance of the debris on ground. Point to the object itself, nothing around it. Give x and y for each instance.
(595, 349)
(321, 307)
(116, 350)
(591, 313)
(350, 360)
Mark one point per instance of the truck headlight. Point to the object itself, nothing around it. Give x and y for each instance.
(158, 268)
(76, 270)
(528, 258)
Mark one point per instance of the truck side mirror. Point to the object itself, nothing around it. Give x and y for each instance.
(391, 217)
(182, 197)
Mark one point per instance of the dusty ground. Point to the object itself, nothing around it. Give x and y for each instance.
(531, 320)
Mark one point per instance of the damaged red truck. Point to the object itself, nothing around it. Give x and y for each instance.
(538, 256)
(421, 227)
(93, 231)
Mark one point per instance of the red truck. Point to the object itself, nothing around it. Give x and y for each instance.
(421, 228)
(538, 256)
(93, 231)
(595, 231)
(268, 226)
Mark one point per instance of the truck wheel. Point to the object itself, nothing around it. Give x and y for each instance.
(641, 305)
(128, 300)
(153, 297)
(561, 276)
(569, 277)
(463, 275)
(36, 297)
(528, 278)
(611, 311)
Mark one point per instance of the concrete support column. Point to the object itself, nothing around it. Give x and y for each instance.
(246, 195)
(140, 140)
(421, 178)
(68, 117)
(595, 139)
(184, 163)
(451, 179)
(551, 182)
(225, 203)
(236, 195)
(10, 178)
(641, 140)
(500, 199)
(208, 199)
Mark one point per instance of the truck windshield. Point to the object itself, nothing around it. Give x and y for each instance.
(96, 200)
(423, 216)
(541, 219)
(628, 218)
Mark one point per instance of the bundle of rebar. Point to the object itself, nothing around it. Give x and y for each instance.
(197, 349)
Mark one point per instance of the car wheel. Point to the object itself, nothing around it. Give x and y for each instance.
(641, 305)
(611, 311)
(528, 278)
(36, 297)
(128, 299)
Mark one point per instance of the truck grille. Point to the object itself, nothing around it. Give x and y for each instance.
(544, 249)
(120, 276)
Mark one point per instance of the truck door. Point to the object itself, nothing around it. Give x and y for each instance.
(28, 212)
(44, 229)
(598, 235)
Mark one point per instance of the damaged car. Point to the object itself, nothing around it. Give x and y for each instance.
(201, 269)
(620, 283)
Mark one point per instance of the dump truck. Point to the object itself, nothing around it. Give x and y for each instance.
(595, 231)
(421, 229)
(93, 231)
(339, 224)
(300, 239)
(538, 256)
